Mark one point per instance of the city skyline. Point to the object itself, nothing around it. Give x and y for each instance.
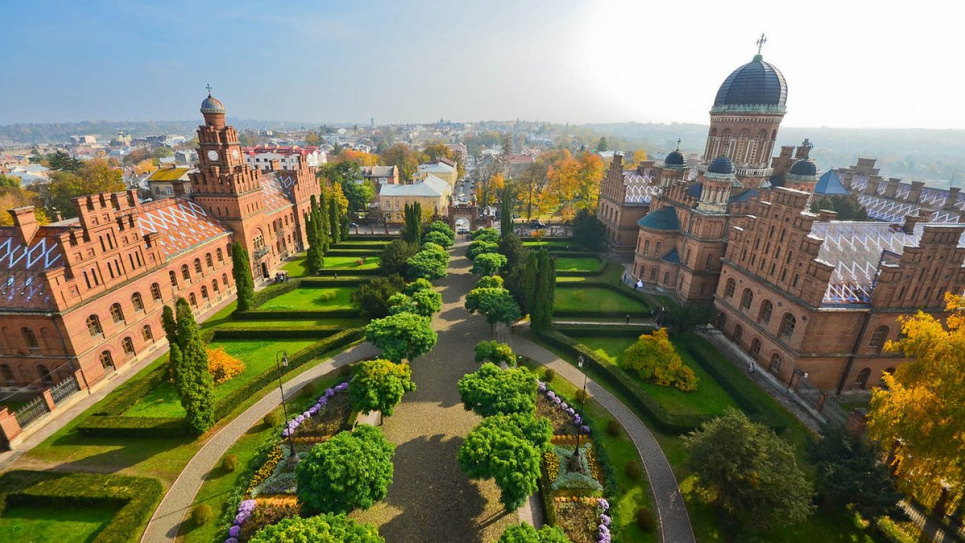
(603, 62)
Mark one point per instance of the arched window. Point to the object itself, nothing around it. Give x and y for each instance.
(30, 338)
(220, 255)
(185, 273)
(776, 363)
(156, 292)
(214, 285)
(94, 325)
(197, 266)
(174, 279)
(204, 292)
(194, 299)
(128, 345)
(646, 247)
(738, 333)
(862, 381)
(137, 302)
(117, 313)
(146, 333)
(708, 262)
(224, 279)
(878, 338)
(755, 347)
(45, 376)
(656, 251)
(653, 274)
(729, 288)
(208, 261)
(7, 374)
(747, 298)
(787, 325)
(107, 361)
(764, 316)
(666, 278)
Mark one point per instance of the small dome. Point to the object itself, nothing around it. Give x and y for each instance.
(804, 168)
(675, 158)
(721, 165)
(756, 83)
(212, 105)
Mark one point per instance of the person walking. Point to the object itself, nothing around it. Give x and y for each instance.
(628, 318)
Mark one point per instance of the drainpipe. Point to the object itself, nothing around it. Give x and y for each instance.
(854, 352)
(70, 364)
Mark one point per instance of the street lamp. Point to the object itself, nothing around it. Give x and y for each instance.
(575, 464)
(281, 361)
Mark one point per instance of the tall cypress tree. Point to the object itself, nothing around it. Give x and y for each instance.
(541, 312)
(241, 271)
(506, 213)
(193, 382)
(315, 258)
(324, 229)
(333, 222)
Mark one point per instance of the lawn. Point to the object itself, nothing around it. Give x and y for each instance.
(292, 324)
(561, 243)
(708, 399)
(351, 262)
(311, 299)
(595, 299)
(258, 356)
(37, 523)
(579, 263)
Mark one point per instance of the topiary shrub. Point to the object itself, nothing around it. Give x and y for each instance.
(613, 428)
(202, 514)
(274, 418)
(634, 470)
(645, 520)
(581, 396)
(229, 463)
(549, 376)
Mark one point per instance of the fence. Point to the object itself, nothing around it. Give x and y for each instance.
(31, 411)
(821, 402)
(64, 389)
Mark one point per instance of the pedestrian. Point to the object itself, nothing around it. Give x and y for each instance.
(628, 318)
(750, 367)
(336, 275)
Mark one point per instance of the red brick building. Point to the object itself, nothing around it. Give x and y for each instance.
(82, 297)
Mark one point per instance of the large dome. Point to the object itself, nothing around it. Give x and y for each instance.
(755, 84)
(722, 166)
(212, 105)
(804, 168)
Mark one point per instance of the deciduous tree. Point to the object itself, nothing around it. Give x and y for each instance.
(494, 391)
(327, 528)
(403, 157)
(495, 352)
(402, 336)
(378, 385)
(654, 358)
(496, 303)
(372, 297)
(488, 264)
(499, 453)
(352, 470)
(429, 263)
(524, 533)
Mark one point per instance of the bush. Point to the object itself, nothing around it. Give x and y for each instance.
(201, 514)
(634, 470)
(646, 520)
(274, 418)
(549, 375)
(613, 428)
(222, 366)
(229, 463)
(580, 396)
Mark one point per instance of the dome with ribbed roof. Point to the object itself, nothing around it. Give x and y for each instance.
(721, 165)
(212, 105)
(675, 158)
(756, 84)
(804, 168)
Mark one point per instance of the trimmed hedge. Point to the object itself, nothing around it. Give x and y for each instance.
(301, 314)
(604, 265)
(347, 272)
(361, 253)
(359, 246)
(138, 497)
(138, 427)
(333, 283)
(275, 333)
(277, 289)
(588, 313)
(368, 237)
(612, 330)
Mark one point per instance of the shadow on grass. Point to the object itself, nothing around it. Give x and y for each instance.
(120, 453)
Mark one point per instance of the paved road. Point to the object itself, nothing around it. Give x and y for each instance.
(177, 502)
(675, 524)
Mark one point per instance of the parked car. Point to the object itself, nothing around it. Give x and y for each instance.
(537, 224)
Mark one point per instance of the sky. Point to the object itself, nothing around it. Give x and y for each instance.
(848, 63)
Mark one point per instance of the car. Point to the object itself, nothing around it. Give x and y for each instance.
(462, 230)
(537, 224)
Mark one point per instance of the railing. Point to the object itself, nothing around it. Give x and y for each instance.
(31, 411)
(64, 389)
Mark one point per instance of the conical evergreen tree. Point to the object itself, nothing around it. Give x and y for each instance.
(334, 224)
(244, 283)
(314, 259)
(189, 360)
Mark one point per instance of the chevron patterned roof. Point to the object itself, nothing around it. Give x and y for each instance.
(181, 224)
(640, 189)
(277, 191)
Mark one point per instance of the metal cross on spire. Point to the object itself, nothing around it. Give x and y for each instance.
(760, 42)
(208, 86)
(678, 144)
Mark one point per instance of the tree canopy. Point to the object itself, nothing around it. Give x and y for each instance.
(372, 297)
(394, 257)
(241, 271)
(492, 391)
(589, 231)
(495, 352)
(749, 472)
(524, 533)
(401, 336)
(488, 264)
(327, 528)
(378, 385)
(497, 304)
(431, 263)
(494, 451)
(481, 246)
(655, 359)
(92, 177)
(352, 470)
(189, 361)
(485, 234)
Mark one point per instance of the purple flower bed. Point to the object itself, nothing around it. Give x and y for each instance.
(245, 509)
(603, 530)
(558, 402)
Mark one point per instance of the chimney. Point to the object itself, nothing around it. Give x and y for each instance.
(915, 193)
(825, 215)
(25, 222)
(909, 226)
(892, 187)
(872, 188)
(952, 198)
(925, 214)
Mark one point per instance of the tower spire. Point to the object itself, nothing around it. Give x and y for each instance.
(760, 44)
(208, 86)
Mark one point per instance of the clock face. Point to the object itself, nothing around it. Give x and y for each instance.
(234, 153)
(212, 155)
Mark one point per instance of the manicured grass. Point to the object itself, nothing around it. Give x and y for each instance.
(302, 324)
(351, 262)
(594, 299)
(580, 263)
(550, 243)
(708, 399)
(219, 485)
(52, 523)
(311, 299)
(258, 356)
(296, 267)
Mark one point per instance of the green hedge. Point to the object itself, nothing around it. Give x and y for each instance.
(139, 497)
(358, 246)
(366, 237)
(347, 272)
(333, 283)
(275, 333)
(277, 289)
(260, 315)
(594, 330)
(138, 427)
(361, 253)
(587, 313)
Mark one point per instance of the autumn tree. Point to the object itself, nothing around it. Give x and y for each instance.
(495, 391)
(748, 472)
(92, 177)
(434, 151)
(348, 175)
(378, 385)
(13, 196)
(403, 336)
(241, 271)
(531, 188)
(403, 157)
(654, 358)
(918, 414)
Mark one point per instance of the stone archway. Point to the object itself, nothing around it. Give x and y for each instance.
(464, 216)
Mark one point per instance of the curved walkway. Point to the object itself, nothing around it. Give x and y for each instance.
(176, 503)
(675, 524)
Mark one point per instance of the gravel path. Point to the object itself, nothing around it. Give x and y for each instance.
(175, 506)
(431, 499)
(671, 510)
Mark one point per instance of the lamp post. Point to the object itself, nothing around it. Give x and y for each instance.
(281, 361)
(575, 464)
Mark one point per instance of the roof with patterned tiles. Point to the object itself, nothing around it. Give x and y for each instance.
(181, 225)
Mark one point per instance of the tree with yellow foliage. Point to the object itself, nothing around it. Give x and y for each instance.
(920, 409)
(654, 358)
(222, 366)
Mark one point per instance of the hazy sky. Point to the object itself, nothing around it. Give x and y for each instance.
(847, 63)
